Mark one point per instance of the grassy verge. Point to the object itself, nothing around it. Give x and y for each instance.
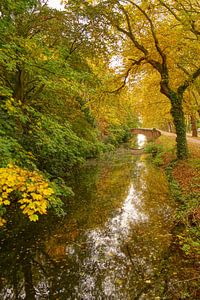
(184, 182)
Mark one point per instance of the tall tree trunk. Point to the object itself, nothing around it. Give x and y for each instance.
(180, 126)
(176, 99)
(194, 126)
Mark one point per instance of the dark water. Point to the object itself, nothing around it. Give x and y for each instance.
(113, 242)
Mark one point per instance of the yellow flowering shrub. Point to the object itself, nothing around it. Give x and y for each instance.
(26, 188)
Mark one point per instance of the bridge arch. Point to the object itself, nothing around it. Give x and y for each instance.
(150, 133)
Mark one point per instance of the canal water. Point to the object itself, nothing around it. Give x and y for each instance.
(112, 243)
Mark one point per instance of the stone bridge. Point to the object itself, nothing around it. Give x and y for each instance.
(150, 133)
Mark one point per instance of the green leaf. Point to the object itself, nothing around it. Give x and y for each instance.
(33, 218)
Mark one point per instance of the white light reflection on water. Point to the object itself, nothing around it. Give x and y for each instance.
(106, 244)
(141, 140)
(118, 227)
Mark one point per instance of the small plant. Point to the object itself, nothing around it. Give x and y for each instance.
(156, 151)
(153, 148)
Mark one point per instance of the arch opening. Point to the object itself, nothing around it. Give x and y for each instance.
(151, 134)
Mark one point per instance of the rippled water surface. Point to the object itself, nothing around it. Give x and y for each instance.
(112, 243)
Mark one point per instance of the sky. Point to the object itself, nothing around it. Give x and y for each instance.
(55, 4)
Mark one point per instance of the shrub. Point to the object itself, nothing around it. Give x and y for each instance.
(23, 189)
(153, 148)
(12, 152)
(56, 147)
(156, 151)
(118, 134)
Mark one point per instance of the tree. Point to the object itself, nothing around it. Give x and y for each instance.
(152, 107)
(186, 13)
(155, 42)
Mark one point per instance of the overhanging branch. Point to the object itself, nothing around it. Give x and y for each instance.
(191, 23)
(156, 42)
(135, 62)
(182, 88)
(130, 34)
(160, 67)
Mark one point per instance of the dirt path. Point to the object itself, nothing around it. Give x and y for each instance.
(189, 138)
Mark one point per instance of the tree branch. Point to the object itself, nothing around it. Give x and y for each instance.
(161, 68)
(7, 81)
(44, 69)
(163, 3)
(130, 33)
(191, 22)
(182, 88)
(135, 62)
(183, 69)
(156, 42)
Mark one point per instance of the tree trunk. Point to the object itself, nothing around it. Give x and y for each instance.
(19, 86)
(170, 127)
(179, 123)
(194, 126)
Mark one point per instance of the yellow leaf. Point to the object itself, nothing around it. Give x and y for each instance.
(4, 195)
(6, 202)
(2, 221)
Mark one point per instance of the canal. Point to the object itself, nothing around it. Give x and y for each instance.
(112, 243)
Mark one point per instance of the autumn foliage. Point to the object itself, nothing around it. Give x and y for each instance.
(28, 190)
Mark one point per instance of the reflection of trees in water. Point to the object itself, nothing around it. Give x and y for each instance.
(147, 265)
(56, 260)
(36, 260)
(16, 263)
(26, 268)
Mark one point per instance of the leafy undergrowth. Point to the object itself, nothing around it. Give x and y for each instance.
(184, 179)
(187, 175)
(184, 182)
(185, 187)
(162, 151)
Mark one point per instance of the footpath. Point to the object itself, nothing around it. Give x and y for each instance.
(195, 140)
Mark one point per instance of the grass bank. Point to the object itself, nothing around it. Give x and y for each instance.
(184, 182)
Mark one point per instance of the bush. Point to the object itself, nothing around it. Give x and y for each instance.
(12, 152)
(156, 151)
(188, 215)
(118, 134)
(24, 190)
(56, 147)
(153, 148)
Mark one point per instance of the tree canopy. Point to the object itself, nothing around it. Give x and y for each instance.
(154, 35)
(55, 111)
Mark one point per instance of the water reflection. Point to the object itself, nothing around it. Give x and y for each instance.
(111, 245)
(141, 140)
(106, 246)
(124, 256)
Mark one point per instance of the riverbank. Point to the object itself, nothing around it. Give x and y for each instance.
(184, 182)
